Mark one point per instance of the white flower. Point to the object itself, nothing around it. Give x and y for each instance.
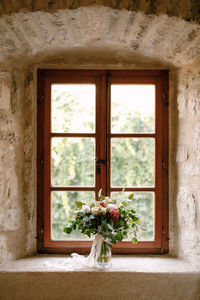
(92, 203)
(112, 206)
(95, 211)
(103, 210)
(114, 200)
(85, 209)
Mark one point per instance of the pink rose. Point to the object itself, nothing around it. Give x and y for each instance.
(114, 214)
(103, 203)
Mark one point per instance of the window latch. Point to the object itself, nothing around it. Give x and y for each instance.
(98, 162)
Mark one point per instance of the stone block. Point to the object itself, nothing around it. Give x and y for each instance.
(10, 217)
(9, 136)
(16, 92)
(186, 209)
(5, 93)
(6, 119)
(182, 153)
(182, 102)
(196, 140)
(10, 208)
(194, 101)
(191, 170)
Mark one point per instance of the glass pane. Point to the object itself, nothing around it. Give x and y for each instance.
(144, 204)
(132, 162)
(62, 212)
(73, 107)
(73, 161)
(133, 108)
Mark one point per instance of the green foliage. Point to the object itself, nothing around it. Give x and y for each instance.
(107, 217)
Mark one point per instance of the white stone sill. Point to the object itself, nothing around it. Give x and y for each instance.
(129, 264)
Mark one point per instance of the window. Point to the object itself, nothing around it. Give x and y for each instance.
(108, 130)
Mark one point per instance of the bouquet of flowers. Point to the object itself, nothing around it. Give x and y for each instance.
(109, 220)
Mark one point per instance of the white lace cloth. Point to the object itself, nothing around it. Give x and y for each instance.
(77, 261)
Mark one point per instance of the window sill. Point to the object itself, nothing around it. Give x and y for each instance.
(130, 277)
(120, 263)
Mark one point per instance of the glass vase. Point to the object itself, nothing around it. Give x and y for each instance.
(103, 259)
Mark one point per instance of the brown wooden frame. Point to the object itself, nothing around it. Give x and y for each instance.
(102, 80)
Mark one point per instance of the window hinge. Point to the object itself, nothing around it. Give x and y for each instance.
(164, 165)
(163, 230)
(40, 99)
(165, 99)
(39, 237)
(107, 78)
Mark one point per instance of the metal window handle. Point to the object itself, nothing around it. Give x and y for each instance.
(98, 162)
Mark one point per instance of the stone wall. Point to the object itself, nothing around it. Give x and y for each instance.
(94, 37)
(187, 153)
(186, 9)
(11, 162)
(37, 36)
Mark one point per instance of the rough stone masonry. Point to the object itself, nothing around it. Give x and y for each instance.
(97, 34)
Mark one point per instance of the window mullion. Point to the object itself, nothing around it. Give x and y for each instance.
(108, 134)
(101, 134)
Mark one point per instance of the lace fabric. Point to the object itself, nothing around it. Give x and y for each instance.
(77, 261)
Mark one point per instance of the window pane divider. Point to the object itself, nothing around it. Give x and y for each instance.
(72, 188)
(130, 189)
(73, 134)
(132, 135)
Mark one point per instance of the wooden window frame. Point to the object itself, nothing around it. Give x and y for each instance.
(103, 80)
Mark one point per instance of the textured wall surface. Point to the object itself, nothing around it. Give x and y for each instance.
(142, 278)
(39, 35)
(12, 233)
(67, 34)
(186, 192)
(187, 9)
(29, 164)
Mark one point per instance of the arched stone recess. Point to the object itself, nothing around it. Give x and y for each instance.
(186, 9)
(142, 38)
(98, 37)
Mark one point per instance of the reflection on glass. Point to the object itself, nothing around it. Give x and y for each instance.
(144, 204)
(62, 212)
(132, 162)
(133, 108)
(73, 107)
(72, 161)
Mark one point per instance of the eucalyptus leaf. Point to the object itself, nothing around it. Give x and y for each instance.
(67, 230)
(119, 237)
(113, 240)
(92, 217)
(110, 226)
(144, 228)
(134, 240)
(79, 204)
(131, 196)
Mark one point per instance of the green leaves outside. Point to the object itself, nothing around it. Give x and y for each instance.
(67, 230)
